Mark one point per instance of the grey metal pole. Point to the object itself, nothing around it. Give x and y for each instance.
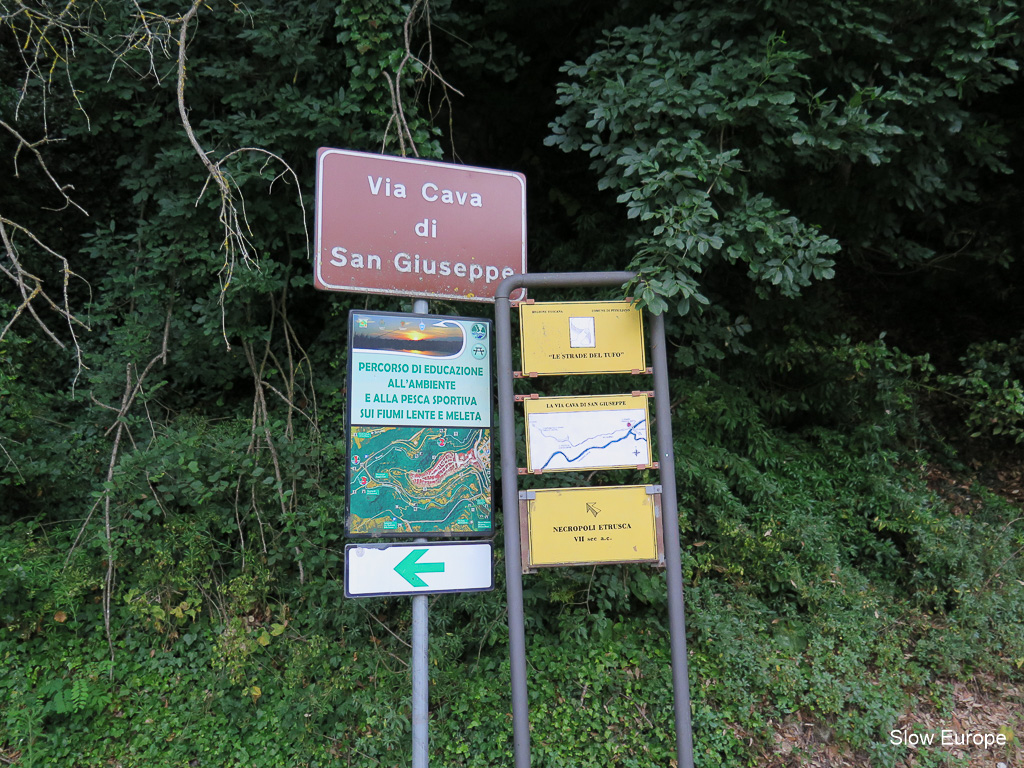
(673, 557)
(420, 682)
(510, 517)
(420, 652)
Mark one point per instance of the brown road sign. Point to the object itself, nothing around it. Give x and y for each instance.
(410, 227)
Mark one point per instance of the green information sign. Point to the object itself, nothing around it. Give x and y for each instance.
(419, 426)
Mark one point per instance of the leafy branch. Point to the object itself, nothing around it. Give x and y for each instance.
(132, 389)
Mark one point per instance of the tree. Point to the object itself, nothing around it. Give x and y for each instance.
(768, 137)
(172, 390)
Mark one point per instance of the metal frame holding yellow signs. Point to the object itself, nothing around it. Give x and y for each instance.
(512, 499)
(591, 526)
(560, 338)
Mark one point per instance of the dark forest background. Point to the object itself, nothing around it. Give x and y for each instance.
(823, 199)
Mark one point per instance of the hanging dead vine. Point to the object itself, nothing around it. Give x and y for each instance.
(32, 288)
(47, 42)
(418, 14)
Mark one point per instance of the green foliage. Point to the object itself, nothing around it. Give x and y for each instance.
(990, 389)
(171, 479)
(739, 134)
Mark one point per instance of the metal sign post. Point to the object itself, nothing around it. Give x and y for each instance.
(420, 651)
(510, 507)
(410, 227)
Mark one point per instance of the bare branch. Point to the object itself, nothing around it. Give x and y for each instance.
(11, 462)
(27, 284)
(31, 289)
(44, 42)
(398, 118)
(34, 149)
(108, 582)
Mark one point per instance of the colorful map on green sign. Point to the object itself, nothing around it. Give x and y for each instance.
(422, 480)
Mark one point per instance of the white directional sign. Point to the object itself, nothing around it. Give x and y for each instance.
(374, 570)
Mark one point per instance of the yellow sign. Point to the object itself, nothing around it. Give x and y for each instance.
(566, 434)
(588, 526)
(581, 337)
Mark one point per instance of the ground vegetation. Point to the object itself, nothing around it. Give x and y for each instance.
(823, 199)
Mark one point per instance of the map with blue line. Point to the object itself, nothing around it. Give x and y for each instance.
(586, 440)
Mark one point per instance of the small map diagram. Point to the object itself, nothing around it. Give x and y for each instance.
(585, 440)
(581, 332)
(423, 480)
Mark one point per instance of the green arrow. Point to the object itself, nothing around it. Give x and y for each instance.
(410, 570)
